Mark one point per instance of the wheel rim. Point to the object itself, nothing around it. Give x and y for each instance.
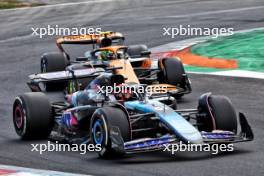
(19, 116)
(98, 131)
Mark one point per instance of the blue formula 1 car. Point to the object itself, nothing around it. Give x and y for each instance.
(123, 124)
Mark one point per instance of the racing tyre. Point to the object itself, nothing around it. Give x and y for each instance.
(32, 116)
(219, 113)
(51, 62)
(134, 51)
(173, 73)
(102, 121)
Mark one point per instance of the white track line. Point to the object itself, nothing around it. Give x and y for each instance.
(22, 171)
(235, 73)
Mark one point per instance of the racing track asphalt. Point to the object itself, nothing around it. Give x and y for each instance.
(141, 21)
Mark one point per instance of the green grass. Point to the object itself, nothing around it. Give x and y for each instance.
(9, 4)
(247, 48)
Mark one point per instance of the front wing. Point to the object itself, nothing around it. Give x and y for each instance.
(154, 144)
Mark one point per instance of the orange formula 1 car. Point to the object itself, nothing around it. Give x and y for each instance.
(169, 75)
(139, 54)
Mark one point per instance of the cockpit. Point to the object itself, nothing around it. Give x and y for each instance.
(107, 54)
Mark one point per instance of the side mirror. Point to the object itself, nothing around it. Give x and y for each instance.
(145, 53)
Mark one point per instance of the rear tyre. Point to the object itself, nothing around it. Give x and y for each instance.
(101, 122)
(51, 62)
(32, 116)
(220, 114)
(134, 51)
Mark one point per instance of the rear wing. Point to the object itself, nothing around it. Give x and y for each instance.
(94, 39)
(59, 76)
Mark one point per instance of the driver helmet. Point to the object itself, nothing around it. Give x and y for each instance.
(107, 55)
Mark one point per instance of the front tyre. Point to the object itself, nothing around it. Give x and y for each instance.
(218, 113)
(172, 72)
(101, 122)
